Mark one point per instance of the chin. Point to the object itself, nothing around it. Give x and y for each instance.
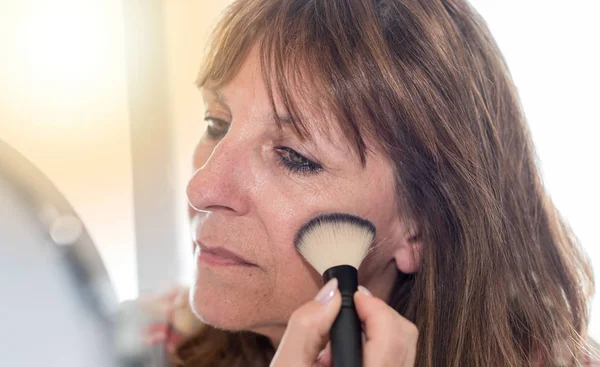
(232, 316)
(227, 308)
(217, 310)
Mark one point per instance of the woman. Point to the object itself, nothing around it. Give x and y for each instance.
(402, 112)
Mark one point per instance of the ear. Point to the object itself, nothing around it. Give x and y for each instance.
(408, 252)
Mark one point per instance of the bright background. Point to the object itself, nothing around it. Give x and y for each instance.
(100, 95)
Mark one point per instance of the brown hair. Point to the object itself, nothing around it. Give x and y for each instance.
(503, 281)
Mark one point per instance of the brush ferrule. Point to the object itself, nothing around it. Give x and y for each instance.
(347, 277)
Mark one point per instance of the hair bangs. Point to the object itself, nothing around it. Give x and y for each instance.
(299, 64)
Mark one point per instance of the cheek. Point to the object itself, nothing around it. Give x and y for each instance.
(283, 216)
(294, 283)
(283, 213)
(376, 201)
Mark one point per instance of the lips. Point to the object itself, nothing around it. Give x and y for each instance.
(221, 256)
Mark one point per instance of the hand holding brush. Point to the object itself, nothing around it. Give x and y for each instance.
(335, 245)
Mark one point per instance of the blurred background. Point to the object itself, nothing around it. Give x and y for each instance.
(100, 95)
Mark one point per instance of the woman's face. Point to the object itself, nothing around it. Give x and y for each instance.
(254, 186)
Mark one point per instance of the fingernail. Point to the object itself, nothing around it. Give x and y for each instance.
(320, 355)
(181, 299)
(326, 293)
(364, 290)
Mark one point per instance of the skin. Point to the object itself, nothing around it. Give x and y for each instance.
(247, 201)
(389, 339)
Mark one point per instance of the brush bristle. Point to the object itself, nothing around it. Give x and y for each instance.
(334, 239)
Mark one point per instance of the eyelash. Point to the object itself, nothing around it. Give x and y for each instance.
(210, 129)
(306, 167)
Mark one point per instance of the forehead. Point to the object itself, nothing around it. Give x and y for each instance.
(247, 90)
(246, 95)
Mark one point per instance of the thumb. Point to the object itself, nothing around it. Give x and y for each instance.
(308, 328)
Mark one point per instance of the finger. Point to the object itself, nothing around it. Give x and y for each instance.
(182, 298)
(324, 357)
(159, 306)
(308, 328)
(389, 337)
(162, 298)
(185, 322)
(155, 334)
(157, 328)
(182, 317)
(173, 341)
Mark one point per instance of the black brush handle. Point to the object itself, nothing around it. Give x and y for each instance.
(346, 332)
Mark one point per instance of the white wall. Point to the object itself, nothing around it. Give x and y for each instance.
(553, 51)
(188, 27)
(63, 104)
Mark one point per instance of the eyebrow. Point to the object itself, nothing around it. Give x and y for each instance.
(271, 117)
(280, 120)
(217, 93)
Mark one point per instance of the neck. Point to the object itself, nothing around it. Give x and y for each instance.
(274, 333)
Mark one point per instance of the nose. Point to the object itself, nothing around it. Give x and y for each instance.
(219, 185)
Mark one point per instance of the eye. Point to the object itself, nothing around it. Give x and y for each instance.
(297, 163)
(216, 128)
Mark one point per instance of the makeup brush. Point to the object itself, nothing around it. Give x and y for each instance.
(335, 244)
